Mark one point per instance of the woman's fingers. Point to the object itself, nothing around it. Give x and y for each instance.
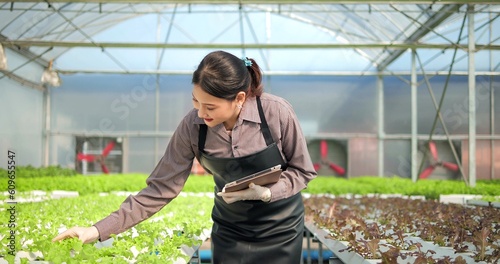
(85, 234)
(253, 192)
(66, 234)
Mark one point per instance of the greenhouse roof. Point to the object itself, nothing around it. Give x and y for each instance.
(287, 36)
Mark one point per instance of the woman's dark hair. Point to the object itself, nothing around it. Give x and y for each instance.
(224, 75)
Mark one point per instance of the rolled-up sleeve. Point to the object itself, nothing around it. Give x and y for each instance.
(164, 184)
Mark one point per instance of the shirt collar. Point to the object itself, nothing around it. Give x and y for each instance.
(249, 112)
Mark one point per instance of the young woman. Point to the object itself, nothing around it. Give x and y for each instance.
(234, 130)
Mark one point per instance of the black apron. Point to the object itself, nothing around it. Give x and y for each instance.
(253, 231)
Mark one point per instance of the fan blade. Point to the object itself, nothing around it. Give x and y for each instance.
(104, 168)
(323, 148)
(316, 166)
(108, 148)
(428, 171)
(89, 158)
(450, 166)
(433, 150)
(339, 170)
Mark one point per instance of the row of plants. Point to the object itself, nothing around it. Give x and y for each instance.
(401, 230)
(93, 184)
(431, 189)
(157, 240)
(34, 172)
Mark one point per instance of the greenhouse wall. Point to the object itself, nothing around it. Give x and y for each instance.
(341, 108)
(21, 121)
(455, 106)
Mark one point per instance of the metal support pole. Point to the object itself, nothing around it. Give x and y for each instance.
(242, 32)
(320, 249)
(381, 124)
(157, 116)
(472, 99)
(414, 123)
(308, 247)
(159, 58)
(492, 141)
(320, 252)
(492, 109)
(46, 127)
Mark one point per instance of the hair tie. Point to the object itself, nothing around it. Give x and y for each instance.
(248, 63)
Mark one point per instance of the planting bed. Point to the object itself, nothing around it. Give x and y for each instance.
(173, 234)
(176, 231)
(372, 229)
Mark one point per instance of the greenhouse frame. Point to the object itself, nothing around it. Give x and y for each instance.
(380, 87)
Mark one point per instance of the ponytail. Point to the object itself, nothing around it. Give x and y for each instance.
(256, 87)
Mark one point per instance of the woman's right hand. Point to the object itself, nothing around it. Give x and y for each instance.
(85, 234)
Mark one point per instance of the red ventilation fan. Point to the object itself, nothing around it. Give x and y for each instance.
(323, 146)
(98, 158)
(436, 162)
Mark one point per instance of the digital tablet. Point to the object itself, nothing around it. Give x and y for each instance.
(267, 176)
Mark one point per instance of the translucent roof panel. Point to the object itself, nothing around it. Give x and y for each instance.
(187, 28)
(167, 36)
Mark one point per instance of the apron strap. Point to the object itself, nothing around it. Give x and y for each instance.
(202, 137)
(263, 125)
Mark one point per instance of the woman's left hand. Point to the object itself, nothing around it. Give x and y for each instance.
(253, 192)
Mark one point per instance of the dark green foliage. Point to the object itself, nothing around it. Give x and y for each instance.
(56, 178)
(101, 183)
(431, 189)
(33, 172)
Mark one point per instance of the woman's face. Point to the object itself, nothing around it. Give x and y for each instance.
(215, 110)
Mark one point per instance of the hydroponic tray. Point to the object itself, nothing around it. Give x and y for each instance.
(363, 230)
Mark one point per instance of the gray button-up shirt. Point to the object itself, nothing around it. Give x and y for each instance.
(168, 178)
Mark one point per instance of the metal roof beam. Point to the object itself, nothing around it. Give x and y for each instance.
(23, 81)
(381, 45)
(441, 15)
(284, 73)
(273, 1)
(23, 50)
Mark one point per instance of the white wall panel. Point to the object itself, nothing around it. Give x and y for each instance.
(21, 123)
